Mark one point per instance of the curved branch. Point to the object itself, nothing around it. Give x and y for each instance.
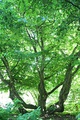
(30, 106)
(73, 4)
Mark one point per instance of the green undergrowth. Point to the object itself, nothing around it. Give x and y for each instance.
(11, 112)
(34, 115)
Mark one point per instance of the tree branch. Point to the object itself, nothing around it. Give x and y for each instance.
(35, 50)
(73, 4)
(77, 55)
(6, 64)
(76, 70)
(4, 80)
(37, 38)
(55, 88)
(15, 66)
(49, 61)
(48, 77)
(23, 103)
(74, 49)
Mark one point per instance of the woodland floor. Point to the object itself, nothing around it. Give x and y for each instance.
(60, 117)
(55, 117)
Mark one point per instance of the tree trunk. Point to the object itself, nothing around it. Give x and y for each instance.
(42, 100)
(59, 106)
(42, 94)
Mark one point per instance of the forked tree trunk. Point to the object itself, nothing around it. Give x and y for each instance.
(59, 106)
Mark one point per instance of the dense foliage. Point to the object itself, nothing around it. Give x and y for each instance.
(39, 49)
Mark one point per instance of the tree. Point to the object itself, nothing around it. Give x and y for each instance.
(39, 46)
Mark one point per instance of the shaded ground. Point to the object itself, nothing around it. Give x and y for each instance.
(60, 117)
(53, 117)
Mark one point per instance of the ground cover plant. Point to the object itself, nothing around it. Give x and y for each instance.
(11, 112)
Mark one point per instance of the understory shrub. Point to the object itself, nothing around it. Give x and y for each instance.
(11, 109)
(78, 117)
(4, 114)
(34, 115)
